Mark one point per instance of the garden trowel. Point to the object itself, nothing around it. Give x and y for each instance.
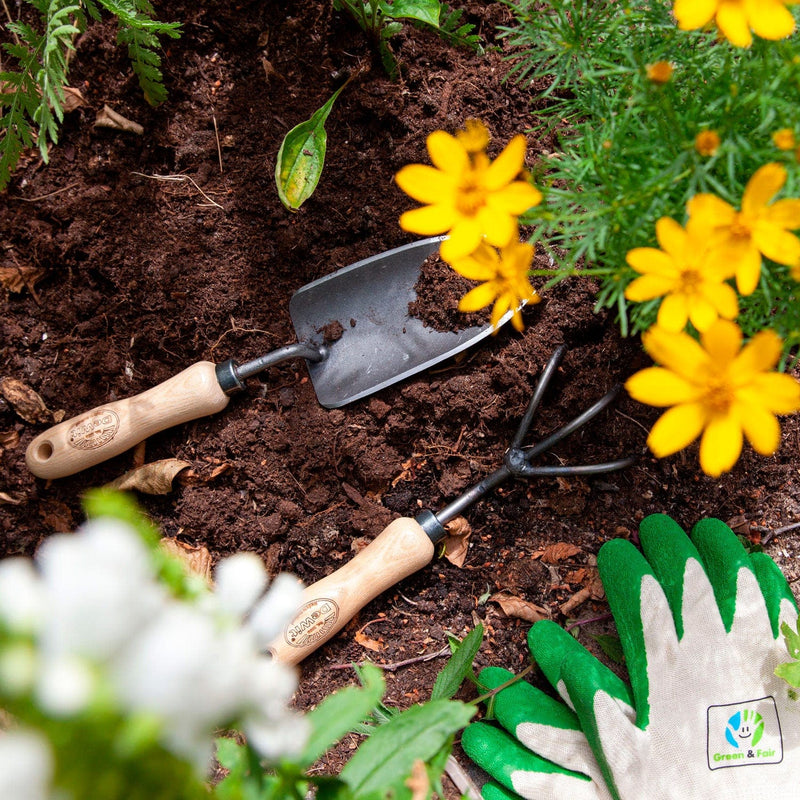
(375, 345)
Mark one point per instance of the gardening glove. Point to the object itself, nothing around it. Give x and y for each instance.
(540, 753)
(705, 715)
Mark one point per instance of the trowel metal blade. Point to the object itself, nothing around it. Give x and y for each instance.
(381, 343)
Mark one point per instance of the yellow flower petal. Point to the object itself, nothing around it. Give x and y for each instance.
(424, 183)
(761, 429)
(776, 244)
(733, 23)
(647, 260)
(785, 214)
(693, 14)
(775, 391)
(428, 220)
(507, 165)
(447, 153)
(709, 211)
(503, 303)
(673, 313)
(764, 184)
(773, 20)
(723, 298)
(497, 226)
(479, 297)
(671, 236)
(722, 341)
(465, 236)
(648, 287)
(676, 428)
(760, 354)
(482, 265)
(701, 313)
(748, 268)
(516, 198)
(676, 351)
(660, 387)
(720, 445)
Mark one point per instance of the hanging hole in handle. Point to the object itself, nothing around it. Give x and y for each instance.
(44, 451)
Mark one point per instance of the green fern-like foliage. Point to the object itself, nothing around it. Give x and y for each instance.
(32, 96)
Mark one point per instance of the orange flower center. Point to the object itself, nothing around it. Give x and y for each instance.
(471, 195)
(741, 227)
(690, 281)
(718, 396)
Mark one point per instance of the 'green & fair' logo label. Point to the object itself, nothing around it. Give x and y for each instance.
(742, 734)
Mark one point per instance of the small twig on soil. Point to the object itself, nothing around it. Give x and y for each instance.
(779, 531)
(579, 622)
(399, 664)
(179, 179)
(235, 329)
(631, 419)
(45, 196)
(216, 134)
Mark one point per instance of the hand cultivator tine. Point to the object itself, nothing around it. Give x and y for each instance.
(516, 462)
(407, 545)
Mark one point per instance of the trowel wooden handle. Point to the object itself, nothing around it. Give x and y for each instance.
(399, 550)
(109, 430)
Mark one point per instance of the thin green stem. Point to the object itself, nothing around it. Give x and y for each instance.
(510, 682)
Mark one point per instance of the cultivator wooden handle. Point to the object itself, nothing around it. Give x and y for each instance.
(327, 606)
(111, 429)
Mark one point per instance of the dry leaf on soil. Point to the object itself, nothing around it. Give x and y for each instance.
(27, 403)
(8, 499)
(73, 99)
(456, 544)
(108, 118)
(196, 558)
(418, 781)
(153, 478)
(592, 590)
(370, 644)
(556, 553)
(514, 606)
(15, 279)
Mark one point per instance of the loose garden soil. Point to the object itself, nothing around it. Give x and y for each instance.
(142, 254)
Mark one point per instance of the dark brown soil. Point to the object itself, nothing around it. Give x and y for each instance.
(143, 276)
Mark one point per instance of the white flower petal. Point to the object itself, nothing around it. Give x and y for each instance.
(276, 608)
(21, 595)
(239, 581)
(26, 766)
(64, 686)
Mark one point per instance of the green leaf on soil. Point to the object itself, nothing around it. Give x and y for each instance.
(458, 667)
(384, 761)
(338, 713)
(302, 156)
(426, 11)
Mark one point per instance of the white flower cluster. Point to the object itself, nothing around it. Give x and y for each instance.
(98, 617)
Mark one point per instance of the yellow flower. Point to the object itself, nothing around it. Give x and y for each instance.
(707, 143)
(506, 280)
(784, 139)
(735, 19)
(715, 389)
(680, 272)
(468, 195)
(739, 238)
(660, 72)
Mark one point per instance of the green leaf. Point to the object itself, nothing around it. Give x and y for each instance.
(229, 753)
(452, 675)
(792, 639)
(383, 762)
(302, 156)
(790, 672)
(338, 713)
(611, 646)
(426, 11)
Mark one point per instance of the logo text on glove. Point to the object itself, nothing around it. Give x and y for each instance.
(740, 734)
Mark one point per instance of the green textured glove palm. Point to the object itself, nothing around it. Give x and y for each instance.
(699, 622)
